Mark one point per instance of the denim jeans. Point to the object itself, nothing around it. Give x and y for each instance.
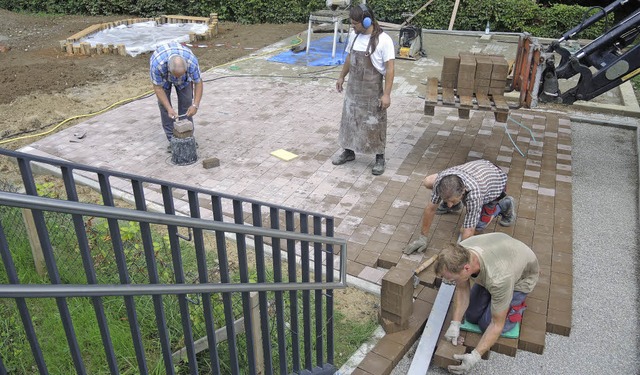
(479, 310)
(185, 99)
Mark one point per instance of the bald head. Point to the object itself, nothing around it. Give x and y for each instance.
(177, 65)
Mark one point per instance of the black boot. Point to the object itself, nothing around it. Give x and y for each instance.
(345, 156)
(378, 167)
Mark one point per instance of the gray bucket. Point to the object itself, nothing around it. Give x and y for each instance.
(183, 151)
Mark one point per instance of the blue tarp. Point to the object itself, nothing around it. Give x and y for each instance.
(319, 53)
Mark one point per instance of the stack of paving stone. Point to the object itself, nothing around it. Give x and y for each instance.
(470, 81)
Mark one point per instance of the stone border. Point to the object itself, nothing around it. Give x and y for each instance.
(86, 49)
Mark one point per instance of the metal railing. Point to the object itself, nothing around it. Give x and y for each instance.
(88, 252)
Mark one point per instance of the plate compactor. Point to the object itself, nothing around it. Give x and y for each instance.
(410, 43)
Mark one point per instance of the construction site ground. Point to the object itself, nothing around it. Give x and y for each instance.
(251, 107)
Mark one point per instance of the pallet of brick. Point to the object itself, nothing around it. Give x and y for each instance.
(449, 75)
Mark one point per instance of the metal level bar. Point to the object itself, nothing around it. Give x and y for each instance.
(429, 339)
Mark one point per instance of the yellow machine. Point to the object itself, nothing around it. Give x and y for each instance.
(410, 43)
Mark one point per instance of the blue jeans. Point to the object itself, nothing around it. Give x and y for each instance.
(185, 99)
(479, 310)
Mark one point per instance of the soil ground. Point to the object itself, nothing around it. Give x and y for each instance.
(43, 86)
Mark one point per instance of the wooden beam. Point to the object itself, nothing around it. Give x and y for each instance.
(417, 12)
(453, 15)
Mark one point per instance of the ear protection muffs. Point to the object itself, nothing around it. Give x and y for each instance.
(366, 21)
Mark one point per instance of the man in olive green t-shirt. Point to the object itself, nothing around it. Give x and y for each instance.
(504, 271)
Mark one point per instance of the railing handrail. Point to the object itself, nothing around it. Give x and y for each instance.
(73, 207)
(150, 180)
(104, 290)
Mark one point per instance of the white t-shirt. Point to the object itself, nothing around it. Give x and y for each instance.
(384, 52)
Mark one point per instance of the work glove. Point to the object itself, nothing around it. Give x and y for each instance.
(453, 332)
(468, 361)
(418, 245)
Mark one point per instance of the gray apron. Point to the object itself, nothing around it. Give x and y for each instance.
(363, 128)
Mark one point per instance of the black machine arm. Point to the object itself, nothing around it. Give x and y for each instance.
(605, 63)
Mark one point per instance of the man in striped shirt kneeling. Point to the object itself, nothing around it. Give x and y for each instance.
(478, 185)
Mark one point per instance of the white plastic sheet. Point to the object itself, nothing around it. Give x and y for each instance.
(144, 36)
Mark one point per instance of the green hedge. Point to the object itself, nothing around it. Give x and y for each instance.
(503, 15)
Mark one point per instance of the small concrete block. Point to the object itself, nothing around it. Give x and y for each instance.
(388, 259)
(429, 109)
(428, 294)
(501, 116)
(182, 126)
(463, 113)
(559, 322)
(444, 354)
(390, 350)
(210, 163)
(536, 305)
(532, 332)
(471, 341)
(359, 371)
(401, 318)
(375, 364)
(391, 327)
(397, 281)
(506, 346)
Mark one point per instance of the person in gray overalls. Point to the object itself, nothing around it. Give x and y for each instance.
(363, 128)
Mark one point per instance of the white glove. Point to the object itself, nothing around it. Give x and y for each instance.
(468, 361)
(418, 245)
(453, 332)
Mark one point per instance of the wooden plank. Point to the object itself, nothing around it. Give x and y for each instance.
(432, 90)
(500, 102)
(483, 101)
(466, 101)
(189, 18)
(427, 344)
(448, 97)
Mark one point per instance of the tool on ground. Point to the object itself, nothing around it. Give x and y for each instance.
(422, 267)
(410, 42)
(604, 63)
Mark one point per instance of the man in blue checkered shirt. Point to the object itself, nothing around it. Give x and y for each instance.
(175, 65)
(478, 185)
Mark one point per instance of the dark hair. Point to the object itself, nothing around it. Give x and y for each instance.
(450, 186)
(358, 14)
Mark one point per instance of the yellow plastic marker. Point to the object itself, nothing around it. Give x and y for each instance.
(284, 154)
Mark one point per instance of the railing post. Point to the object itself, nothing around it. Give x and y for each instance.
(256, 332)
(34, 241)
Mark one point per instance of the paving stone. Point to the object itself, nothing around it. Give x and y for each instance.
(390, 350)
(445, 350)
(375, 364)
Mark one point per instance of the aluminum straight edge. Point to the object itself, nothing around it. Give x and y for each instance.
(429, 339)
(100, 290)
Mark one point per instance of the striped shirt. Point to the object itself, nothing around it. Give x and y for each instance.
(483, 182)
(159, 63)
